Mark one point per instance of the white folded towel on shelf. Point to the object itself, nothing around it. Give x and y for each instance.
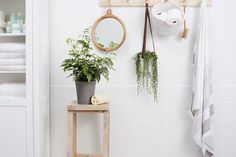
(13, 68)
(99, 99)
(12, 55)
(20, 61)
(14, 89)
(12, 47)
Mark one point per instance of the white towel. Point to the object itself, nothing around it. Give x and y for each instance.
(202, 106)
(4, 62)
(13, 68)
(99, 99)
(12, 55)
(12, 47)
(16, 89)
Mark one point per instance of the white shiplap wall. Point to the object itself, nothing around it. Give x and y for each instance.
(140, 128)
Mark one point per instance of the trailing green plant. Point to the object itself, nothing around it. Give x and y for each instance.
(147, 72)
(111, 45)
(84, 65)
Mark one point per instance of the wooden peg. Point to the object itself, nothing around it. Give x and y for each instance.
(186, 29)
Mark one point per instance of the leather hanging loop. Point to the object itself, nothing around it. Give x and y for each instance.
(147, 20)
(145, 28)
(150, 27)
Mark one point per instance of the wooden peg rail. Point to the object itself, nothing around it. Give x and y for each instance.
(140, 3)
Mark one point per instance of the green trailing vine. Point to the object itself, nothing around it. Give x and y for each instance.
(111, 45)
(147, 72)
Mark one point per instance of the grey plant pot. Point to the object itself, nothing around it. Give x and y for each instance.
(85, 90)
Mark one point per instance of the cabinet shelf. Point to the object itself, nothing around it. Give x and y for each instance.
(12, 72)
(12, 101)
(12, 34)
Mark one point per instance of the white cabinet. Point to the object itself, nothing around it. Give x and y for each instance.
(24, 122)
(13, 132)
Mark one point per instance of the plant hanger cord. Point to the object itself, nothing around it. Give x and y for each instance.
(109, 5)
(146, 61)
(147, 20)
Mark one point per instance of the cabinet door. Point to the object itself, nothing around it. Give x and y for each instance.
(12, 132)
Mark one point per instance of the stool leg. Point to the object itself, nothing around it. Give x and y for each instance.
(73, 134)
(106, 132)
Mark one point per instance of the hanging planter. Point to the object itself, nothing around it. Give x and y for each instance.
(146, 63)
(168, 17)
(147, 72)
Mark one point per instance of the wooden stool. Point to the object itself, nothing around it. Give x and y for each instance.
(75, 108)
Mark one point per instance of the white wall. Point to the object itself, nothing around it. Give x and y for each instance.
(139, 127)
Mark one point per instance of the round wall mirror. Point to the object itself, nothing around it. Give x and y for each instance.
(108, 32)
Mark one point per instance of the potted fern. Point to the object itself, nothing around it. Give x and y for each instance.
(85, 67)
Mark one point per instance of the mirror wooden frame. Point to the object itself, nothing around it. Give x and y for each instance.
(106, 16)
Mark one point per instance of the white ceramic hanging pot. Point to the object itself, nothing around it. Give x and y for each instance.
(168, 18)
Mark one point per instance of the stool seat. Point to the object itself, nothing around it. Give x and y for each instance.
(89, 155)
(74, 107)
